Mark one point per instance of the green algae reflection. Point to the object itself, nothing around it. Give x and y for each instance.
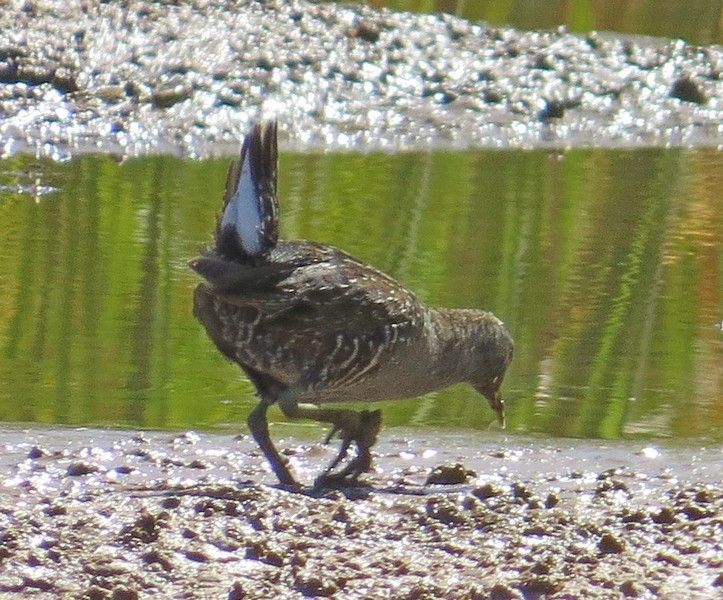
(605, 265)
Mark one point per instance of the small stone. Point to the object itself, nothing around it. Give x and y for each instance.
(486, 490)
(167, 97)
(703, 496)
(96, 593)
(542, 61)
(609, 544)
(12, 52)
(694, 512)
(502, 592)
(592, 40)
(521, 491)
(634, 516)
(537, 587)
(492, 97)
(631, 589)
(552, 500)
(144, 529)
(39, 583)
(8, 72)
(298, 559)
(314, 585)
(445, 511)
(231, 509)
(341, 515)
(133, 90)
(237, 592)
(172, 502)
(111, 93)
(123, 593)
(35, 453)
(668, 558)
(273, 557)
(54, 555)
(55, 510)
(64, 81)
(196, 556)
(77, 469)
(450, 475)
(155, 557)
(266, 63)
(34, 74)
(664, 516)
(369, 32)
(446, 97)
(687, 90)
(554, 109)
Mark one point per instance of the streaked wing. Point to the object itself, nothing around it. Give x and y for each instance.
(321, 289)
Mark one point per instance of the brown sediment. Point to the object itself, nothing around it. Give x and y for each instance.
(171, 515)
(187, 78)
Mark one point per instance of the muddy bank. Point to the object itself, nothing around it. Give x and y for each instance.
(140, 77)
(100, 514)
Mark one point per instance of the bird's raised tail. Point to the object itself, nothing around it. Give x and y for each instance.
(248, 227)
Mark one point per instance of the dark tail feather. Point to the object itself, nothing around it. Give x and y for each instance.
(231, 277)
(249, 224)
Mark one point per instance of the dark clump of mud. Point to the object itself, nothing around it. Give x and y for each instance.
(139, 77)
(97, 514)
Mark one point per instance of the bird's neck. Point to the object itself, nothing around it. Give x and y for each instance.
(452, 333)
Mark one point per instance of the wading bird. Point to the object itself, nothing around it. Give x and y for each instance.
(311, 325)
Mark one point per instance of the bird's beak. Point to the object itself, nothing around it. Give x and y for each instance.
(497, 404)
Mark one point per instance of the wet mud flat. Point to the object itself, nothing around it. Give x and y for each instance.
(104, 514)
(139, 77)
(114, 514)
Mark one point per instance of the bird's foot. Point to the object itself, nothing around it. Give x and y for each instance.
(363, 431)
(283, 474)
(260, 430)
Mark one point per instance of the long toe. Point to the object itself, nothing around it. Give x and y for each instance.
(363, 432)
(361, 464)
(331, 434)
(349, 475)
(343, 451)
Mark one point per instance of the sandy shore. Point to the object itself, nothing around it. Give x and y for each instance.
(111, 514)
(186, 78)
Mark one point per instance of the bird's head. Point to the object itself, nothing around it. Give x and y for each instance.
(492, 354)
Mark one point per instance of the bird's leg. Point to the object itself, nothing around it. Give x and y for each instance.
(259, 427)
(365, 438)
(343, 449)
(359, 427)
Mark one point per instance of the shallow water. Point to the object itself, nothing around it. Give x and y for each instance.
(698, 24)
(604, 264)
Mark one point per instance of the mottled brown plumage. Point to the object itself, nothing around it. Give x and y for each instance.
(311, 325)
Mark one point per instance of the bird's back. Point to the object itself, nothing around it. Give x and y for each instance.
(311, 317)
